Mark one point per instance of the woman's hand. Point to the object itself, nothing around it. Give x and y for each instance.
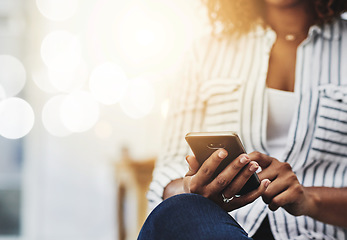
(285, 190)
(229, 182)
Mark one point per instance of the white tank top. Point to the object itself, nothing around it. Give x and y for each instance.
(281, 107)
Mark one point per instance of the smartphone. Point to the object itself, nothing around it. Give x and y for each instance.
(203, 144)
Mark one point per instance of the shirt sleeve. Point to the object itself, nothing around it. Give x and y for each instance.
(184, 115)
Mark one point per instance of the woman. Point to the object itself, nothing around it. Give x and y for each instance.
(276, 74)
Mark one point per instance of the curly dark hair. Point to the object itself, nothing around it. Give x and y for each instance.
(241, 15)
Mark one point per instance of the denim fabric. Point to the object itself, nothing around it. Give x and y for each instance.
(190, 216)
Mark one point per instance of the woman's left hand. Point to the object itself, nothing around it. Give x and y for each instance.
(284, 190)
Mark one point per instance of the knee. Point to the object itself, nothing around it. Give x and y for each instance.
(177, 206)
(189, 216)
(169, 214)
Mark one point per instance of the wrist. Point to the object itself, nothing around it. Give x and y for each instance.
(173, 188)
(314, 202)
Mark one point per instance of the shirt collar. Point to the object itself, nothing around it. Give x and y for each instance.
(329, 31)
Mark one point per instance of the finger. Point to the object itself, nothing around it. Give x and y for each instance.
(193, 165)
(228, 174)
(208, 168)
(186, 184)
(268, 173)
(262, 159)
(240, 180)
(282, 199)
(249, 197)
(276, 187)
(274, 205)
(280, 185)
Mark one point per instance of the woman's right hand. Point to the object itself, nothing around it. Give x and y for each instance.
(229, 182)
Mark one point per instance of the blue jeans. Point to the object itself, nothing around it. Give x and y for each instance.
(190, 216)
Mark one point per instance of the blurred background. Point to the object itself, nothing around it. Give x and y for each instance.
(84, 89)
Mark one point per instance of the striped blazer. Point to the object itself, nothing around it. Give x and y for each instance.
(222, 88)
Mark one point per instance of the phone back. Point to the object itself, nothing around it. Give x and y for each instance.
(204, 145)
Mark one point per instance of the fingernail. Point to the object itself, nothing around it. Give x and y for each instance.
(267, 183)
(244, 159)
(187, 158)
(253, 167)
(222, 154)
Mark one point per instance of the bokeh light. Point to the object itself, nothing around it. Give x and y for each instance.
(16, 118)
(51, 117)
(69, 81)
(139, 98)
(12, 75)
(108, 83)
(41, 79)
(103, 129)
(139, 34)
(79, 111)
(145, 37)
(165, 105)
(57, 10)
(61, 51)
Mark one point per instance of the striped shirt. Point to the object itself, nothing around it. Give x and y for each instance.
(222, 88)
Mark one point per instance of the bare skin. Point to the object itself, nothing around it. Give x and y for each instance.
(286, 17)
(325, 204)
(279, 185)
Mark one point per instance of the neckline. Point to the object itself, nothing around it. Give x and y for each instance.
(329, 31)
(274, 90)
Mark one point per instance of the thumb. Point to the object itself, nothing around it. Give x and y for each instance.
(193, 165)
(262, 159)
(249, 197)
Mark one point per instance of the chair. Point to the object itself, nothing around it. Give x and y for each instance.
(132, 177)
